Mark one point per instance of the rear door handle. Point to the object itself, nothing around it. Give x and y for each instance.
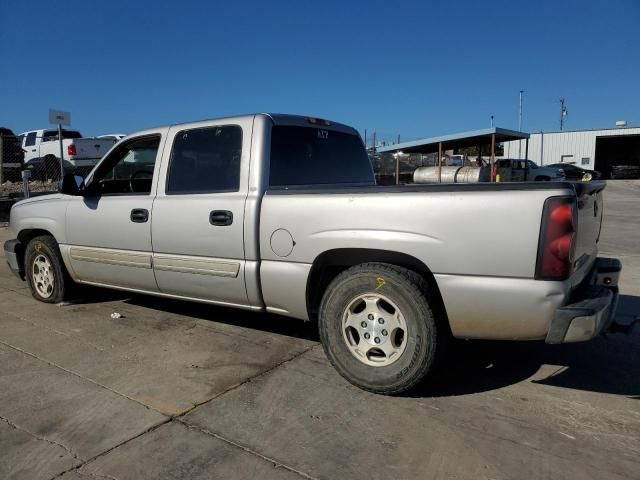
(139, 215)
(221, 218)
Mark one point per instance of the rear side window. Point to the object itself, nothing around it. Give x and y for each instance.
(313, 156)
(206, 160)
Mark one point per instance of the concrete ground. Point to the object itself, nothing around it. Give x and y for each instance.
(178, 390)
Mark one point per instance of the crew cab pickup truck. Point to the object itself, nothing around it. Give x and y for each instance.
(280, 213)
(43, 148)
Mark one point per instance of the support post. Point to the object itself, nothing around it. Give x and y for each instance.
(439, 162)
(26, 174)
(493, 156)
(1, 157)
(61, 155)
(526, 162)
(397, 168)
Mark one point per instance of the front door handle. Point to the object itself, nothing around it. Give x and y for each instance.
(139, 215)
(221, 218)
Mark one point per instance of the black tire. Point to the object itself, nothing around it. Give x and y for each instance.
(46, 246)
(51, 168)
(425, 336)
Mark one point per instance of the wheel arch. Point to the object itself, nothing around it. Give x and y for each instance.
(331, 263)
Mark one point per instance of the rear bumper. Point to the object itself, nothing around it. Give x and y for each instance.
(592, 306)
(12, 252)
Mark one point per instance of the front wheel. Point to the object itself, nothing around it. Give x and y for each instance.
(378, 328)
(45, 272)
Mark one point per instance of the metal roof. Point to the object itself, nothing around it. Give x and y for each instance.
(456, 140)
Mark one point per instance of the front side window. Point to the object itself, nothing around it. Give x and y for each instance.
(31, 139)
(205, 160)
(128, 169)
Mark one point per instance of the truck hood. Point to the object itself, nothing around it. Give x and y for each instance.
(39, 198)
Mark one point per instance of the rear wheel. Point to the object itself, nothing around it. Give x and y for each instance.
(51, 168)
(378, 328)
(46, 275)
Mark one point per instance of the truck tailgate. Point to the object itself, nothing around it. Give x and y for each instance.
(91, 147)
(590, 207)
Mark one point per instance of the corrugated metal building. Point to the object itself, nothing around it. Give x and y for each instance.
(591, 149)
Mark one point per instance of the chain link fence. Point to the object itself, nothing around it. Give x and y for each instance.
(38, 176)
(20, 180)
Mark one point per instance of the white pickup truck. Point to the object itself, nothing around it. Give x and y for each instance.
(281, 213)
(42, 150)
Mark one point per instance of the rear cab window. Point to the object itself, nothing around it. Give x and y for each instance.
(50, 135)
(316, 156)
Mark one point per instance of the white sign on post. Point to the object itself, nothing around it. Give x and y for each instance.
(58, 117)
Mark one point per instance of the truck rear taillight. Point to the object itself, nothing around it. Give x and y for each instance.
(71, 149)
(557, 239)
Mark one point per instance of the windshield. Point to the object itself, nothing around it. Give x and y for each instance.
(313, 156)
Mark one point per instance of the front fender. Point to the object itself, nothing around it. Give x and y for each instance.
(46, 212)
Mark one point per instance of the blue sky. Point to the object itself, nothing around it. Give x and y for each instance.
(415, 68)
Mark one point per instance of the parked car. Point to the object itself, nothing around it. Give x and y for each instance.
(12, 155)
(519, 170)
(281, 213)
(42, 150)
(575, 173)
(624, 171)
(113, 136)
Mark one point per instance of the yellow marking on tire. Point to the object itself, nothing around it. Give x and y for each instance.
(380, 283)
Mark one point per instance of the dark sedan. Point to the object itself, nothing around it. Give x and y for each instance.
(575, 173)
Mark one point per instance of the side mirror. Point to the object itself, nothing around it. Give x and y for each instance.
(72, 184)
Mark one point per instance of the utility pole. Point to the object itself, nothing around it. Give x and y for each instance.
(563, 113)
(491, 121)
(520, 123)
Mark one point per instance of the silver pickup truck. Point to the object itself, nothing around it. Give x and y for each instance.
(281, 213)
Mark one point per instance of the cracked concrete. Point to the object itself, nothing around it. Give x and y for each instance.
(43, 439)
(178, 390)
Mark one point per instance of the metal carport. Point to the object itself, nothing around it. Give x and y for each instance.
(457, 140)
